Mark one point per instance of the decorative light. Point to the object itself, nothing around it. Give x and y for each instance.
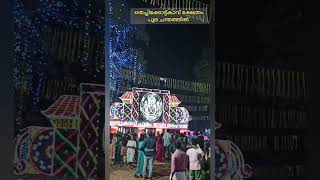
(151, 106)
(31, 49)
(121, 53)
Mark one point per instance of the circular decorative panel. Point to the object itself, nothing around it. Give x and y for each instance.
(151, 107)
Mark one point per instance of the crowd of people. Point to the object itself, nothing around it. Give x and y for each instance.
(188, 154)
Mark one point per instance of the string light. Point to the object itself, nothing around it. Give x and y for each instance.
(121, 53)
(31, 48)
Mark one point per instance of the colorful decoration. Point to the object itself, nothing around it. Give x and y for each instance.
(116, 111)
(127, 112)
(41, 151)
(34, 151)
(32, 25)
(229, 161)
(221, 161)
(151, 106)
(174, 101)
(122, 53)
(70, 148)
(66, 107)
(127, 98)
(21, 153)
(147, 112)
(135, 106)
(151, 125)
(238, 168)
(182, 115)
(91, 98)
(166, 109)
(64, 117)
(65, 152)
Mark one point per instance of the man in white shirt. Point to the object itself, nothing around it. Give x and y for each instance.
(195, 155)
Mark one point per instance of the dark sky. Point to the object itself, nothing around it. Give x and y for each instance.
(174, 49)
(236, 32)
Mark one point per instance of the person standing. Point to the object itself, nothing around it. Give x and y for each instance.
(160, 148)
(140, 159)
(205, 169)
(118, 150)
(178, 164)
(201, 140)
(166, 140)
(207, 151)
(125, 139)
(195, 155)
(131, 150)
(135, 138)
(172, 147)
(181, 139)
(113, 147)
(148, 147)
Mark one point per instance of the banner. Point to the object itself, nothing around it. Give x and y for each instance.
(183, 4)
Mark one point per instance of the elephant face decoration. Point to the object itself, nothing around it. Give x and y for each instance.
(151, 107)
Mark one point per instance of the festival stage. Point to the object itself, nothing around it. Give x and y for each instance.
(144, 108)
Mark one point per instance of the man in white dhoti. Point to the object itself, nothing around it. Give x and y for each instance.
(131, 150)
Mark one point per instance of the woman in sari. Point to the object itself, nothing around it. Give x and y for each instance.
(160, 148)
(140, 159)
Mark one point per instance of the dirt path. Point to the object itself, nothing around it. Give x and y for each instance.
(161, 172)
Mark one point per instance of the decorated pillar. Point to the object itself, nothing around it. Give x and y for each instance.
(127, 100)
(166, 109)
(64, 117)
(135, 105)
(91, 130)
(173, 113)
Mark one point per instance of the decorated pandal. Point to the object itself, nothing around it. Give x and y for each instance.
(70, 146)
(144, 108)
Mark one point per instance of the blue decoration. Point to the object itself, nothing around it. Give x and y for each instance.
(123, 54)
(31, 48)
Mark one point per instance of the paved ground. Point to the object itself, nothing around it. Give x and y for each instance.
(161, 172)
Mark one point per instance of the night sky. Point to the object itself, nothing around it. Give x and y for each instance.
(236, 32)
(174, 49)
